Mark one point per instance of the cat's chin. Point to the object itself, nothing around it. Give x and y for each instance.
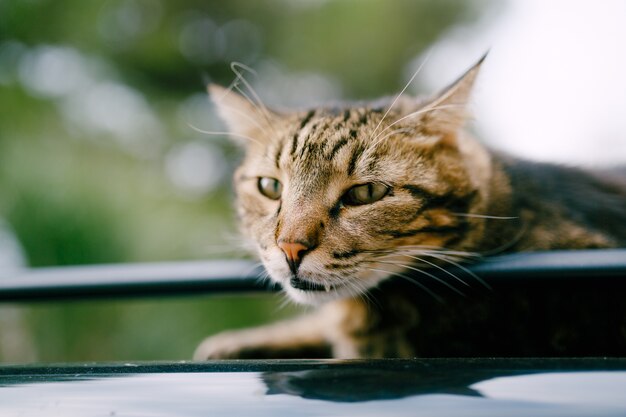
(302, 294)
(309, 297)
(312, 289)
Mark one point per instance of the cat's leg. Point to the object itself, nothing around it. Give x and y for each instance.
(382, 330)
(302, 337)
(349, 328)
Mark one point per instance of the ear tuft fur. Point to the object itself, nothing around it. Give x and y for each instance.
(242, 117)
(447, 112)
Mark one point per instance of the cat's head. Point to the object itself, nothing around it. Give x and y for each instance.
(336, 200)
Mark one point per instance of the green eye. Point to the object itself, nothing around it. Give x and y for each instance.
(270, 187)
(364, 194)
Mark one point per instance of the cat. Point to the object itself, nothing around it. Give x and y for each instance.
(343, 202)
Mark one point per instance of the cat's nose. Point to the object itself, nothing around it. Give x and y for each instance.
(294, 251)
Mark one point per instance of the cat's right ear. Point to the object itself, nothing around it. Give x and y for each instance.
(242, 116)
(447, 112)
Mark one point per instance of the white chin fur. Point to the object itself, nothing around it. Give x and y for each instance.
(312, 297)
(321, 297)
(279, 272)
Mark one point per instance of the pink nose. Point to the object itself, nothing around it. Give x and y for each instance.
(293, 252)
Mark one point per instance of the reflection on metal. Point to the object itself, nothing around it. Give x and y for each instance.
(414, 387)
(214, 277)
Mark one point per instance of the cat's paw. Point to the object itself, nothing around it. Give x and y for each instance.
(227, 345)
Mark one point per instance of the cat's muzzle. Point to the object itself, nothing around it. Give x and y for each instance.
(300, 284)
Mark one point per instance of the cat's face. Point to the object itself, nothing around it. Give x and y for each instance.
(335, 201)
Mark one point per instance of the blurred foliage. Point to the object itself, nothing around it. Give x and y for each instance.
(140, 330)
(98, 162)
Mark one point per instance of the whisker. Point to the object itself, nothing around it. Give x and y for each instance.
(262, 278)
(257, 102)
(485, 216)
(437, 249)
(428, 274)
(413, 114)
(239, 135)
(462, 268)
(369, 297)
(224, 133)
(354, 286)
(285, 301)
(359, 290)
(395, 131)
(443, 255)
(461, 254)
(232, 246)
(458, 258)
(411, 280)
(256, 106)
(422, 252)
(368, 293)
(509, 244)
(434, 265)
(235, 86)
(446, 95)
(244, 115)
(419, 69)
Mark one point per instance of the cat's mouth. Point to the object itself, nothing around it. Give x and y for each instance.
(306, 285)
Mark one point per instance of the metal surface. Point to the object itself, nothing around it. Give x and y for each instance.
(131, 280)
(418, 387)
(214, 277)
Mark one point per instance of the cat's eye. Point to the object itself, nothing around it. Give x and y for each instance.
(364, 194)
(270, 187)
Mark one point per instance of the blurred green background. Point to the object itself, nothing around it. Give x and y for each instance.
(101, 160)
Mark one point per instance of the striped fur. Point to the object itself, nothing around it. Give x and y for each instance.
(446, 192)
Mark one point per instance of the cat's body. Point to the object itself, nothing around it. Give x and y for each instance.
(343, 205)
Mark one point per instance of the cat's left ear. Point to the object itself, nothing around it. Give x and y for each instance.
(447, 112)
(244, 118)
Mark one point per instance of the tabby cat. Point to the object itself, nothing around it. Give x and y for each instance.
(342, 203)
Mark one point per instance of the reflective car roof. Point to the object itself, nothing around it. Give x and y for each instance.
(419, 387)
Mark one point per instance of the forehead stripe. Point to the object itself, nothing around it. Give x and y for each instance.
(356, 154)
(305, 120)
(340, 144)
